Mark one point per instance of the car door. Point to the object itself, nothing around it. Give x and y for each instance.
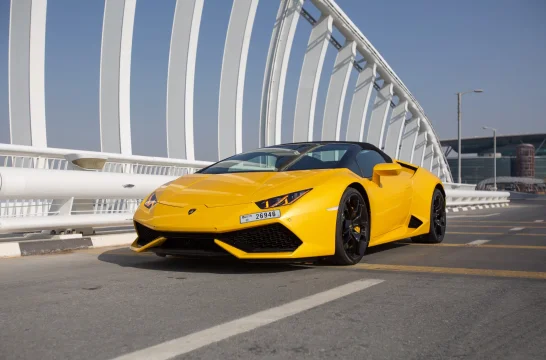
(391, 201)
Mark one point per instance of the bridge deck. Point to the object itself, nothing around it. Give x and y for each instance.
(483, 300)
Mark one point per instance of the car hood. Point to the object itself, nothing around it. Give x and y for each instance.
(214, 190)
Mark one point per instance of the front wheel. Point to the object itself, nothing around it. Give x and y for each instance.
(352, 228)
(438, 220)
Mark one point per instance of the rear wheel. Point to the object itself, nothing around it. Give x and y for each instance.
(352, 228)
(438, 220)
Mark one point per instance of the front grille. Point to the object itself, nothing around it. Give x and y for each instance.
(191, 245)
(268, 238)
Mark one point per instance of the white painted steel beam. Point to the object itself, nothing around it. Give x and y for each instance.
(409, 139)
(443, 175)
(304, 117)
(55, 153)
(420, 147)
(232, 81)
(351, 32)
(335, 98)
(435, 143)
(280, 46)
(360, 102)
(436, 165)
(379, 115)
(429, 156)
(115, 76)
(395, 130)
(180, 78)
(21, 183)
(26, 56)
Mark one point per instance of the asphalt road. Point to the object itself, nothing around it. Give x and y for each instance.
(403, 301)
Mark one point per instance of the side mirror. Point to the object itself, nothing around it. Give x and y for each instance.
(385, 169)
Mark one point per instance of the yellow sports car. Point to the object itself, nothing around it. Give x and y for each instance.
(294, 202)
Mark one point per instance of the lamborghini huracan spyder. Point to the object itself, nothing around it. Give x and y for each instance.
(312, 200)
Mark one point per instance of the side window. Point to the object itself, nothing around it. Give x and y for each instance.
(366, 160)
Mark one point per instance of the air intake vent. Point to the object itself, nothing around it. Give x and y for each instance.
(145, 234)
(266, 238)
(414, 223)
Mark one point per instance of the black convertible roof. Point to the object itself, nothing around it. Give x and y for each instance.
(363, 145)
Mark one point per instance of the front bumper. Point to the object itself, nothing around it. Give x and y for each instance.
(298, 233)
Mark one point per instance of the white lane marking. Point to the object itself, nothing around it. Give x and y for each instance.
(516, 229)
(478, 242)
(539, 220)
(185, 344)
(472, 216)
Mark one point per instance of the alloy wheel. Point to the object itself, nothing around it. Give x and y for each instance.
(438, 216)
(354, 226)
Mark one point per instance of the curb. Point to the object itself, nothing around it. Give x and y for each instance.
(474, 207)
(51, 246)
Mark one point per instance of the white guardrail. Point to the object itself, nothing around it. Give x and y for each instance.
(463, 198)
(44, 189)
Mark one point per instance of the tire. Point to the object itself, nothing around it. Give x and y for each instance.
(438, 220)
(352, 231)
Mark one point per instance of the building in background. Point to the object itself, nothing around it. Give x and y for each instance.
(518, 156)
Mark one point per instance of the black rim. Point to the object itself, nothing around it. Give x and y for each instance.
(354, 229)
(439, 216)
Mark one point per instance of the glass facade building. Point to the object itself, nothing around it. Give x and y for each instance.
(476, 169)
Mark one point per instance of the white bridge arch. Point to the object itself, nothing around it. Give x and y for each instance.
(104, 188)
(404, 131)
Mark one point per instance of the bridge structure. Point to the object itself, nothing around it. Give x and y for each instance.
(52, 189)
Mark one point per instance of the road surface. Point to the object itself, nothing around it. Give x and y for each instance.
(481, 294)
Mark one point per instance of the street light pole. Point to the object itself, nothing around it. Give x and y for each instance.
(459, 152)
(459, 96)
(494, 155)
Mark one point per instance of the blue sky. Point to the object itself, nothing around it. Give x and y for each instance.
(436, 47)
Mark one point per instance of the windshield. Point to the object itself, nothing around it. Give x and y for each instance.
(283, 158)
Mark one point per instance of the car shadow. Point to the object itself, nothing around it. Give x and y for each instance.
(148, 261)
(225, 265)
(385, 247)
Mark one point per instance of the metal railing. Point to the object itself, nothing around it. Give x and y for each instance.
(41, 190)
(462, 198)
(456, 186)
(57, 159)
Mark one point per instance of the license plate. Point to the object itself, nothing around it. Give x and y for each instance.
(260, 216)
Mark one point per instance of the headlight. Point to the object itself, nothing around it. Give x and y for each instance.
(282, 200)
(151, 201)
